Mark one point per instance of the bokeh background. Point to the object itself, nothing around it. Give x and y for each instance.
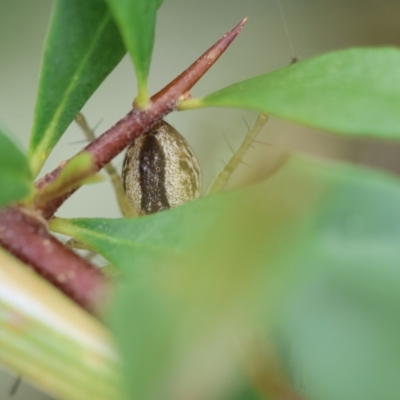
(276, 32)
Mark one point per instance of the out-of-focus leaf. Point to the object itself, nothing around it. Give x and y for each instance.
(343, 320)
(83, 47)
(195, 279)
(202, 282)
(137, 20)
(15, 176)
(52, 342)
(351, 92)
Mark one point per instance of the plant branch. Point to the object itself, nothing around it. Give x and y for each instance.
(136, 122)
(26, 236)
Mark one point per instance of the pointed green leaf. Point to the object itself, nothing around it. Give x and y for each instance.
(83, 47)
(16, 180)
(136, 20)
(352, 92)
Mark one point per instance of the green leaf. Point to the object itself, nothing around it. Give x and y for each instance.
(52, 342)
(316, 244)
(16, 180)
(136, 20)
(342, 321)
(352, 92)
(77, 172)
(83, 47)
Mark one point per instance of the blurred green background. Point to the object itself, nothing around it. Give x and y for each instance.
(185, 29)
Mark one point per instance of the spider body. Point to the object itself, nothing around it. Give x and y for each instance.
(160, 171)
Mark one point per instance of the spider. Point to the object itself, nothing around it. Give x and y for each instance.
(160, 170)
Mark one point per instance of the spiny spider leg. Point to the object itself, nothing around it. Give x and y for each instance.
(223, 177)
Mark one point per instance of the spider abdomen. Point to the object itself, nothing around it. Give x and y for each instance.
(160, 170)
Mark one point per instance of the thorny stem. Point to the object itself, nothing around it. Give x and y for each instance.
(24, 233)
(136, 122)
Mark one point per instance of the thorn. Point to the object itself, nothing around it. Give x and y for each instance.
(187, 79)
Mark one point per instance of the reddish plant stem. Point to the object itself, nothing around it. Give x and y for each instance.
(136, 122)
(26, 236)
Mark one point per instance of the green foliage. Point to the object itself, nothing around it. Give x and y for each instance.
(205, 275)
(351, 92)
(15, 175)
(77, 172)
(342, 322)
(136, 21)
(83, 47)
(197, 278)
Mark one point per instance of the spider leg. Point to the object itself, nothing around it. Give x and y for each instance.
(116, 180)
(223, 177)
(15, 386)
